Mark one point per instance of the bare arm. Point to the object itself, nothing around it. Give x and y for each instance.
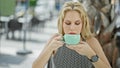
(43, 58)
(102, 62)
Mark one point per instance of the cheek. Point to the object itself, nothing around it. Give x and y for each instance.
(65, 28)
(79, 28)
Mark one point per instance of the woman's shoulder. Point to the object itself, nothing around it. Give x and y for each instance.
(93, 41)
(94, 44)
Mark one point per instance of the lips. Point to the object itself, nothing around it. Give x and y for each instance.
(72, 33)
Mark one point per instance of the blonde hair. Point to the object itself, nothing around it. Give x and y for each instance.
(76, 6)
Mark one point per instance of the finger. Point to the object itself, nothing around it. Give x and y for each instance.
(70, 47)
(60, 43)
(82, 42)
(74, 47)
(55, 35)
(59, 38)
(78, 46)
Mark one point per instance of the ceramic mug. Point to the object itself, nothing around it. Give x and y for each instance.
(71, 39)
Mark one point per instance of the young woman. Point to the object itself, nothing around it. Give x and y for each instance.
(73, 20)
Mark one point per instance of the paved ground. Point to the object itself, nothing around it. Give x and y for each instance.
(35, 43)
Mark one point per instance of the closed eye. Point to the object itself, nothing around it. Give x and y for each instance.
(77, 22)
(67, 22)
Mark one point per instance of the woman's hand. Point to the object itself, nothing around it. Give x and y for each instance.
(83, 48)
(55, 42)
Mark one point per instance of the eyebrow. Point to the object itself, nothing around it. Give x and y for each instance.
(67, 21)
(75, 21)
(78, 21)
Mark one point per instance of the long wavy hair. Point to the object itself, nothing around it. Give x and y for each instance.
(76, 6)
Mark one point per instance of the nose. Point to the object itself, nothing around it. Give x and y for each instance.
(72, 27)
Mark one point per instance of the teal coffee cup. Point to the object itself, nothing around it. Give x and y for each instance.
(72, 39)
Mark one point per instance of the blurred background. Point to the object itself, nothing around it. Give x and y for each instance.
(26, 25)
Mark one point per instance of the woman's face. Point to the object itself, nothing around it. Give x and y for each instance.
(72, 23)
